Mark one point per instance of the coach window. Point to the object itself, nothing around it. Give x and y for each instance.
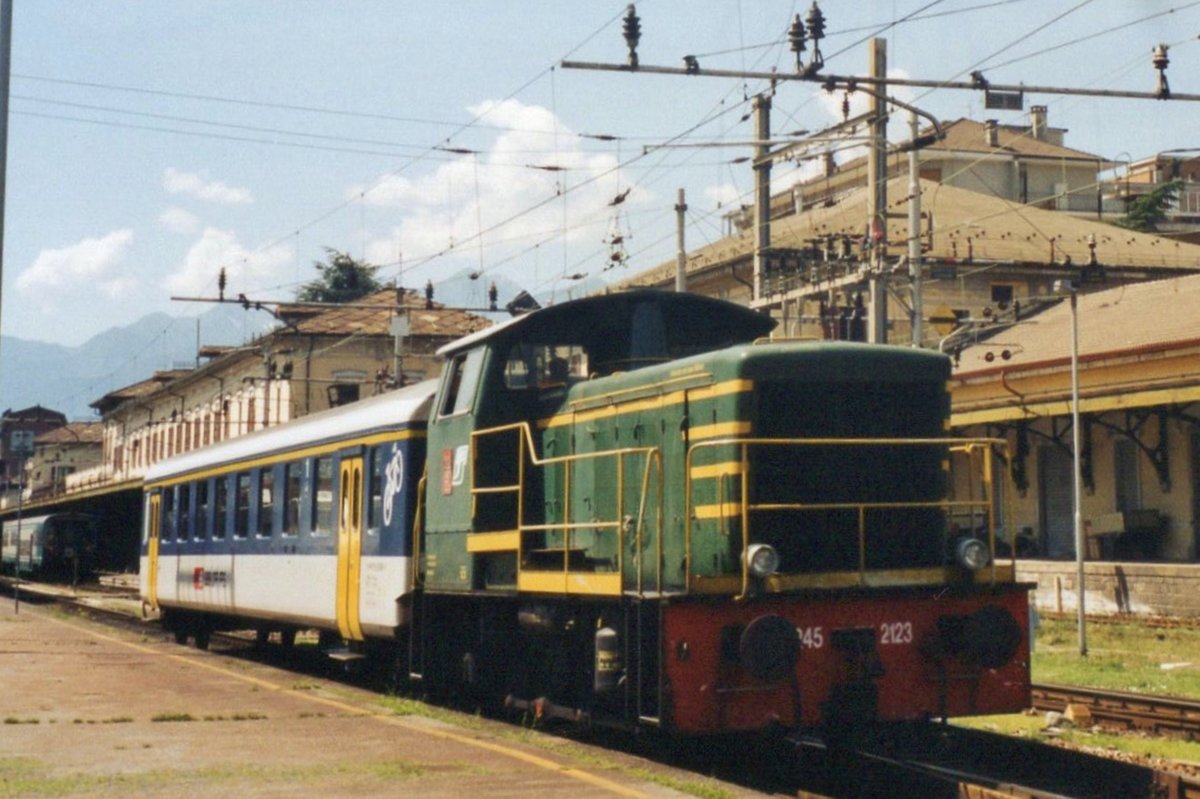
(378, 475)
(322, 496)
(266, 501)
(202, 515)
(220, 507)
(462, 378)
(166, 529)
(293, 475)
(184, 527)
(241, 518)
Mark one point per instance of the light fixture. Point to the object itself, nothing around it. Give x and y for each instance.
(762, 560)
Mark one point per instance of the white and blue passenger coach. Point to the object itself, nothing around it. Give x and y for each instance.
(305, 525)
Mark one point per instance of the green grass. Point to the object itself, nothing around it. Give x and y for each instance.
(1123, 656)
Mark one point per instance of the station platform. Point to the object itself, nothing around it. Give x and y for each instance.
(1115, 587)
(92, 710)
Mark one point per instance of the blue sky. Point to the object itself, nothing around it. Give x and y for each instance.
(152, 143)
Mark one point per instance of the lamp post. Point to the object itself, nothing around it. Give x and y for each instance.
(1068, 288)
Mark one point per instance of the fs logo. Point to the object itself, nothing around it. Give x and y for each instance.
(454, 468)
(394, 475)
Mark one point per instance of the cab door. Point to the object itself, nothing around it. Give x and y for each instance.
(152, 532)
(349, 547)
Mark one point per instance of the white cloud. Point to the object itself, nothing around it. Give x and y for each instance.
(502, 184)
(198, 185)
(245, 270)
(725, 195)
(859, 104)
(88, 266)
(177, 220)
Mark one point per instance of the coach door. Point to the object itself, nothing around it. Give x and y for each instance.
(349, 550)
(153, 522)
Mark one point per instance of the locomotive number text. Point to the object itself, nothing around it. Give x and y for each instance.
(811, 637)
(892, 633)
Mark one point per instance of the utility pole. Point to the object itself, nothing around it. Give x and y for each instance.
(914, 232)
(811, 69)
(762, 189)
(681, 250)
(877, 195)
(6, 12)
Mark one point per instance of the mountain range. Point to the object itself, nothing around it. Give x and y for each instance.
(68, 379)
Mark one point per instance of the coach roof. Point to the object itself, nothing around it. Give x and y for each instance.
(401, 408)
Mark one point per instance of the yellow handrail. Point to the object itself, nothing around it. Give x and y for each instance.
(983, 447)
(527, 450)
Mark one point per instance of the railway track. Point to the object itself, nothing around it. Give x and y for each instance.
(1122, 710)
(929, 761)
(945, 762)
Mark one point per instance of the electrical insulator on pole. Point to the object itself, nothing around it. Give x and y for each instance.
(1160, 62)
(631, 26)
(796, 36)
(816, 32)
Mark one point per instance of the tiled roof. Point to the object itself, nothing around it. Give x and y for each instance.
(34, 413)
(140, 389)
(968, 226)
(372, 315)
(962, 136)
(967, 135)
(75, 432)
(1129, 319)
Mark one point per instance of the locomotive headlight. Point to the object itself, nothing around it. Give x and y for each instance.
(972, 554)
(762, 560)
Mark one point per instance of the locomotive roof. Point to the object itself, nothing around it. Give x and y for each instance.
(690, 318)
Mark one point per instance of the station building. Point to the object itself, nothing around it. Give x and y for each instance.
(319, 357)
(1139, 408)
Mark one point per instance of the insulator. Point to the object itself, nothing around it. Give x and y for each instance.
(796, 36)
(1160, 57)
(816, 23)
(1160, 63)
(631, 28)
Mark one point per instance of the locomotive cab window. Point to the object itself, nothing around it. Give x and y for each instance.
(544, 366)
(460, 381)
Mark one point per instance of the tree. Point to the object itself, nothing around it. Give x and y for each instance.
(1147, 211)
(342, 279)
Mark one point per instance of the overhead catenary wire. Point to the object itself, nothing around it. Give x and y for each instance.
(629, 165)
